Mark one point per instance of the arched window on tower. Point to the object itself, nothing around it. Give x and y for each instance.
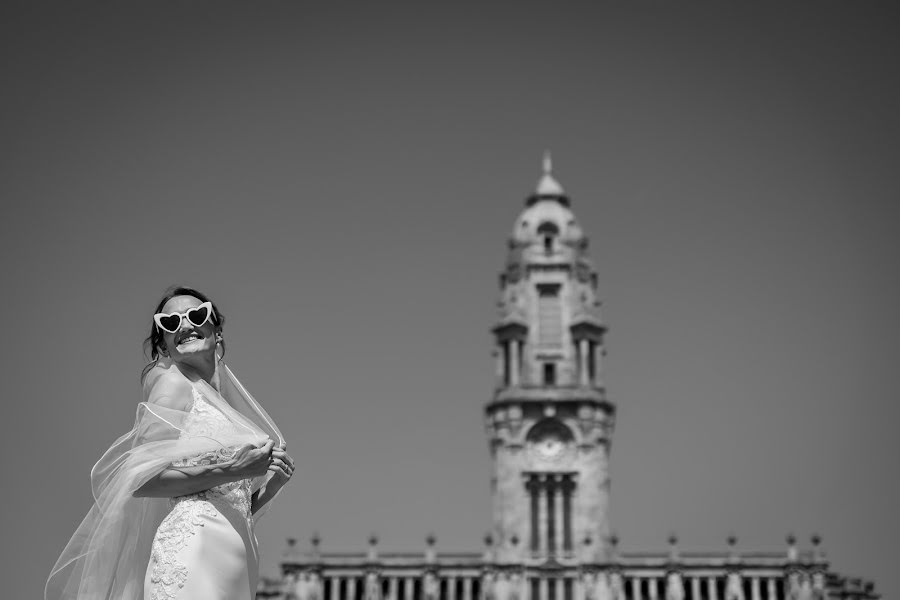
(548, 232)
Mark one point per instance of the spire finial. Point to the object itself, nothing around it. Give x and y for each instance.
(372, 554)
(548, 186)
(315, 540)
(673, 547)
(792, 553)
(430, 554)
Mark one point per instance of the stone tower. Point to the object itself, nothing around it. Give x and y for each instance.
(549, 423)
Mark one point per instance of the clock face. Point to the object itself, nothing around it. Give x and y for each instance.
(550, 440)
(549, 447)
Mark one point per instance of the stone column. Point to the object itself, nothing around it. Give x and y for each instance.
(583, 362)
(772, 595)
(552, 515)
(467, 588)
(636, 586)
(598, 364)
(451, 588)
(654, 592)
(567, 487)
(499, 359)
(335, 588)
(544, 589)
(408, 588)
(561, 498)
(514, 362)
(351, 588)
(533, 487)
(695, 587)
(754, 589)
(559, 486)
(711, 591)
(542, 515)
(392, 588)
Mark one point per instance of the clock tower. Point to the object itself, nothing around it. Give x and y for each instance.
(549, 422)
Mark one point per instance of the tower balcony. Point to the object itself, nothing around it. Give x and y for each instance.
(520, 394)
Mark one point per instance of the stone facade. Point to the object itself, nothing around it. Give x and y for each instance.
(549, 425)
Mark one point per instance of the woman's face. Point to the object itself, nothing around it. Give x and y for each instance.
(189, 341)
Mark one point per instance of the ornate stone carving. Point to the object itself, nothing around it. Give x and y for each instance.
(431, 587)
(372, 589)
(674, 586)
(734, 589)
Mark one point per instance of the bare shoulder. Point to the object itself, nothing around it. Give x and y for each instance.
(171, 390)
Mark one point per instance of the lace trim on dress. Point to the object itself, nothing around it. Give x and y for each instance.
(169, 574)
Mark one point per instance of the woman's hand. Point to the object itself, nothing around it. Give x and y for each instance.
(252, 460)
(282, 468)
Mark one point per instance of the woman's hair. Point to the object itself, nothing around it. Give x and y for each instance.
(153, 344)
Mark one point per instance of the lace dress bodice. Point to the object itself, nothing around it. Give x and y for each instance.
(207, 420)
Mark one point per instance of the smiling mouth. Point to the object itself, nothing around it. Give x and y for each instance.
(191, 337)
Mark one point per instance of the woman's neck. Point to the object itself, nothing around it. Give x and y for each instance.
(201, 367)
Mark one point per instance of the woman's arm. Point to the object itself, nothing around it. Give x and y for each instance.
(282, 468)
(182, 481)
(260, 499)
(249, 461)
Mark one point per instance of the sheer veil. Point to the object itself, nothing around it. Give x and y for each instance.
(107, 556)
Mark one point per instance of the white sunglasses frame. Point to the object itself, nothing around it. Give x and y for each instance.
(209, 314)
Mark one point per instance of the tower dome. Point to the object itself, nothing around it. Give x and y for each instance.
(547, 212)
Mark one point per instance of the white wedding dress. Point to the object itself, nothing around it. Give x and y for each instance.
(205, 548)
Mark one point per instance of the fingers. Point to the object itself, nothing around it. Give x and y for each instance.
(267, 447)
(281, 469)
(283, 464)
(283, 456)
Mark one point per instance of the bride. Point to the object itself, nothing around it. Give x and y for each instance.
(175, 498)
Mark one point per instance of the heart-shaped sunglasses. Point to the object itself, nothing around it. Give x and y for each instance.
(196, 316)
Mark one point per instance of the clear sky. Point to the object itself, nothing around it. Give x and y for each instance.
(341, 178)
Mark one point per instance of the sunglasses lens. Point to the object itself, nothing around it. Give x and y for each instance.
(170, 322)
(197, 316)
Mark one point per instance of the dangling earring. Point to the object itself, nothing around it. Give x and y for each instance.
(220, 342)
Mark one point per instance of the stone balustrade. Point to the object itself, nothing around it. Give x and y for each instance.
(672, 575)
